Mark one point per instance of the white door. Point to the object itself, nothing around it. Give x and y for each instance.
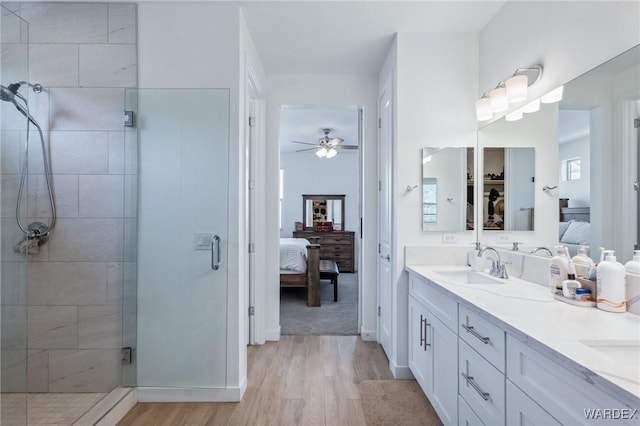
(184, 191)
(385, 232)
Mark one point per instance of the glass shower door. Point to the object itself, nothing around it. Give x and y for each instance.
(183, 139)
(14, 66)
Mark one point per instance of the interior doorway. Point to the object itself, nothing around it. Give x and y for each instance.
(320, 155)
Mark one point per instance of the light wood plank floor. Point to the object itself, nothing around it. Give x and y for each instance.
(300, 380)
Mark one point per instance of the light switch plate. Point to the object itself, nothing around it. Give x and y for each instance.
(448, 238)
(202, 240)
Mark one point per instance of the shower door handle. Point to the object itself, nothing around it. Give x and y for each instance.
(215, 253)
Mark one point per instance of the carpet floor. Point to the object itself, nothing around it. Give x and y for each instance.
(396, 402)
(331, 318)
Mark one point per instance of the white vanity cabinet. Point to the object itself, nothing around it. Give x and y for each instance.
(523, 411)
(433, 346)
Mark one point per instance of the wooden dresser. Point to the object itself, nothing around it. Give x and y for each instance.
(336, 245)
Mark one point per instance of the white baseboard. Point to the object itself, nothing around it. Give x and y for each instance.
(272, 335)
(400, 372)
(154, 394)
(368, 335)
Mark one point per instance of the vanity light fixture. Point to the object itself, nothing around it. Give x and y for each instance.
(514, 116)
(514, 89)
(532, 106)
(553, 96)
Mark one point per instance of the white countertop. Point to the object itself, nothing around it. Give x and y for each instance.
(529, 312)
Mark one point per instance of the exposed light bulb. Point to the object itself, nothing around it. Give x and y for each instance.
(517, 88)
(553, 96)
(331, 153)
(483, 109)
(514, 116)
(532, 106)
(498, 99)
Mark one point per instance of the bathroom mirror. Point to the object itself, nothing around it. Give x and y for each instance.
(447, 189)
(508, 181)
(598, 159)
(317, 209)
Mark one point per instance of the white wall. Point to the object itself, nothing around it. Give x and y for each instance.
(305, 173)
(430, 68)
(324, 90)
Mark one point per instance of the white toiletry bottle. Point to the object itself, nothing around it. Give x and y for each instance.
(633, 283)
(611, 284)
(582, 262)
(570, 285)
(558, 270)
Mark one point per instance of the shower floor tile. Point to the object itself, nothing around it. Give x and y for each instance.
(47, 409)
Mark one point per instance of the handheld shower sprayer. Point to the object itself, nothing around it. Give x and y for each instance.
(36, 233)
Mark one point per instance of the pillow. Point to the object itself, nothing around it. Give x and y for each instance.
(563, 228)
(577, 233)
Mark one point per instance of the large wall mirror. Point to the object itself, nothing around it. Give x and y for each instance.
(598, 158)
(321, 210)
(447, 189)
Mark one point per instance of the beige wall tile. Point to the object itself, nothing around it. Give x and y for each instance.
(67, 283)
(79, 152)
(54, 65)
(87, 240)
(108, 65)
(100, 327)
(86, 109)
(52, 327)
(101, 195)
(66, 23)
(84, 370)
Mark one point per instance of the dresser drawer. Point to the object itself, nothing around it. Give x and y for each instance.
(336, 239)
(434, 299)
(336, 250)
(481, 385)
(486, 338)
(466, 416)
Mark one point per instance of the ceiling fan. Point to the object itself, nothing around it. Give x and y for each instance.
(327, 146)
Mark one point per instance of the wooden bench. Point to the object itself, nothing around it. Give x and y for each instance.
(329, 271)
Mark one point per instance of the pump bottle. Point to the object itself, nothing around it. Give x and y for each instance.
(558, 270)
(611, 284)
(633, 283)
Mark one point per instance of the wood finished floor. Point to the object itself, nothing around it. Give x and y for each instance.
(300, 380)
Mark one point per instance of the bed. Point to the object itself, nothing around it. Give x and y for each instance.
(575, 228)
(300, 267)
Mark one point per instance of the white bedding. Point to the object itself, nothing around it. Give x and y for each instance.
(293, 255)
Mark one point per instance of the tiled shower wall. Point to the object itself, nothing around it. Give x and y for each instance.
(84, 55)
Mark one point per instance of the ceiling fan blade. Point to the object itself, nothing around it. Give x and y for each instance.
(305, 143)
(346, 147)
(307, 149)
(335, 141)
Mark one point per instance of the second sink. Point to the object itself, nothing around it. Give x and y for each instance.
(468, 277)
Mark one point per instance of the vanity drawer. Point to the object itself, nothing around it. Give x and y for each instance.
(466, 416)
(481, 385)
(435, 300)
(486, 338)
(523, 411)
(561, 392)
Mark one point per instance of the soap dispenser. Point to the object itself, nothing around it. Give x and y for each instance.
(632, 268)
(582, 262)
(558, 270)
(611, 284)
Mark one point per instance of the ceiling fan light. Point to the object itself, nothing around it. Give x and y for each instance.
(321, 152)
(331, 153)
(516, 88)
(553, 96)
(498, 99)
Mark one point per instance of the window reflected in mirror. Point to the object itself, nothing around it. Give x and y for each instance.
(447, 189)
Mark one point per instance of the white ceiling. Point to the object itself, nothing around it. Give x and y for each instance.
(305, 124)
(344, 37)
(350, 37)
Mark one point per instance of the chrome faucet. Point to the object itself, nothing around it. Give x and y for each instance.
(537, 249)
(498, 269)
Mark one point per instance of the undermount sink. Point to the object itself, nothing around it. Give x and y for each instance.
(468, 277)
(626, 351)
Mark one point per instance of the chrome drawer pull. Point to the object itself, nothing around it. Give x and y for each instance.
(422, 337)
(426, 324)
(471, 330)
(469, 379)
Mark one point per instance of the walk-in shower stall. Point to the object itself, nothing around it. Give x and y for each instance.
(68, 210)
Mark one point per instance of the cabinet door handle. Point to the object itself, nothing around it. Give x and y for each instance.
(480, 337)
(422, 333)
(474, 385)
(215, 253)
(426, 324)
